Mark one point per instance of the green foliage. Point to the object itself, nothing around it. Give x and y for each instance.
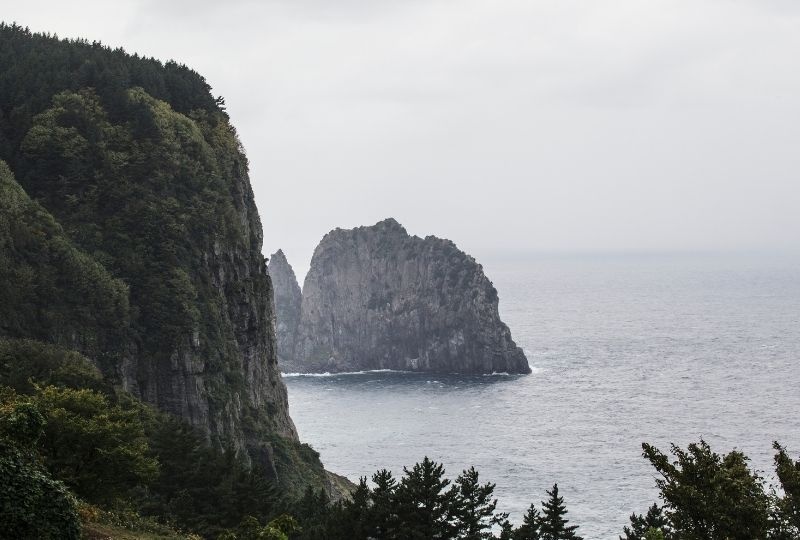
(200, 488)
(654, 521)
(384, 519)
(32, 504)
(98, 449)
(474, 508)
(251, 529)
(49, 289)
(553, 523)
(786, 519)
(131, 522)
(710, 496)
(132, 194)
(353, 515)
(21, 423)
(531, 525)
(424, 504)
(140, 182)
(23, 361)
(108, 446)
(37, 66)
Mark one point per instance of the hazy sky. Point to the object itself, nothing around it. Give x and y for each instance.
(509, 126)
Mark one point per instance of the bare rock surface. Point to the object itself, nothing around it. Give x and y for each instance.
(378, 298)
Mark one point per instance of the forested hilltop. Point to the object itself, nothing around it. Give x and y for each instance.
(129, 238)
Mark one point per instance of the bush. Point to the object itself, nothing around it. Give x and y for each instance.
(32, 504)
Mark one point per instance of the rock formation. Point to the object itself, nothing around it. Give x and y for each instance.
(377, 298)
(288, 299)
(129, 233)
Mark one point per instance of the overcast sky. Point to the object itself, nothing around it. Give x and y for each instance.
(508, 126)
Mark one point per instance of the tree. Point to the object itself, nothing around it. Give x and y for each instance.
(506, 530)
(787, 511)
(474, 508)
(32, 503)
(383, 514)
(314, 511)
(640, 525)
(99, 450)
(553, 524)
(424, 505)
(710, 496)
(531, 526)
(351, 517)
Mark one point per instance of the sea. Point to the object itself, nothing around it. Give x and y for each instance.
(625, 349)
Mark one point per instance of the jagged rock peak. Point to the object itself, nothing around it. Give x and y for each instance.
(377, 298)
(288, 299)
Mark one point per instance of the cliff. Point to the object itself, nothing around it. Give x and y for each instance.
(288, 299)
(377, 298)
(130, 234)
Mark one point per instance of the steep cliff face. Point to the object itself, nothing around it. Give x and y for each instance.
(288, 299)
(377, 298)
(140, 221)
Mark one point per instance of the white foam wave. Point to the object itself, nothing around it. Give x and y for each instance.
(336, 374)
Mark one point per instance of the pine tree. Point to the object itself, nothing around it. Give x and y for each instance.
(531, 526)
(424, 504)
(474, 507)
(383, 514)
(506, 530)
(640, 525)
(553, 524)
(351, 518)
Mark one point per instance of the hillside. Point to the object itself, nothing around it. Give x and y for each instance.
(129, 233)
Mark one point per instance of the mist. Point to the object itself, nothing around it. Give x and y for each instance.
(509, 127)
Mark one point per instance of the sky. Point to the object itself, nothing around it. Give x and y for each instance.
(509, 126)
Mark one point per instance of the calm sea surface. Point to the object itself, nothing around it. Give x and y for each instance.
(623, 349)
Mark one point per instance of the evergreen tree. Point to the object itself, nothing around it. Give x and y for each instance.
(424, 504)
(350, 519)
(383, 514)
(640, 525)
(474, 508)
(506, 530)
(531, 526)
(553, 524)
(314, 511)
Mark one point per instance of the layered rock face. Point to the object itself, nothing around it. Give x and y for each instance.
(129, 233)
(377, 298)
(288, 299)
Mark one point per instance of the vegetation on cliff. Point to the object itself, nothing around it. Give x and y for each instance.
(128, 233)
(131, 273)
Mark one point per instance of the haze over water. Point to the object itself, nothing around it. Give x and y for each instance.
(625, 349)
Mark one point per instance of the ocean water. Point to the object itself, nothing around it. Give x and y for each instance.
(624, 349)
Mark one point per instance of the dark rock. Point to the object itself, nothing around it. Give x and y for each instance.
(288, 299)
(377, 298)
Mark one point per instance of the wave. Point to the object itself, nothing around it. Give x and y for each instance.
(369, 371)
(338, 373)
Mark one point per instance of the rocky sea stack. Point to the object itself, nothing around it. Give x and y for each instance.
(288, 299)
(378, 298)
